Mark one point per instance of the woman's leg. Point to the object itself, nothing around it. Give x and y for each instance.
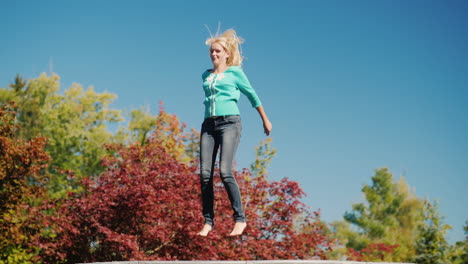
(208, 150)
(230, 132)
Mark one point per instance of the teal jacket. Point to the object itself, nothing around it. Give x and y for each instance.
(222, 92)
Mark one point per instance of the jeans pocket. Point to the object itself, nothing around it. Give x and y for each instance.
(233, 119)
(203, 125)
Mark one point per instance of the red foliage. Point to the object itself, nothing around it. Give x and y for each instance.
(146, 206)
(21, 182)
(373, 252)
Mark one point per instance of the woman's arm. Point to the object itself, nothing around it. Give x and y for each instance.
(267, 126)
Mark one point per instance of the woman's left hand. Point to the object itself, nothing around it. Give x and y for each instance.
(267, 126)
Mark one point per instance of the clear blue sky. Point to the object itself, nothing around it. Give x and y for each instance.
(350, 86)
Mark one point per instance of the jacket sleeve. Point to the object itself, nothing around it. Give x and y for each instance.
(244, 86)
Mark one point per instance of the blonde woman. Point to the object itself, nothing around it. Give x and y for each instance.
(222, 125)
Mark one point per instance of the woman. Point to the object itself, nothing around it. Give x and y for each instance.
(222, 125)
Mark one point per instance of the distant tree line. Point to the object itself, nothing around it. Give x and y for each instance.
(73, 191)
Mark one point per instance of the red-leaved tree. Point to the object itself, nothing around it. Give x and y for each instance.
(21, 185)
(373, 252)
(146, 206)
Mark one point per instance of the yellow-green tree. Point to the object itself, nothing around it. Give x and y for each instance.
(167, 128)
(264, 152)
(390, 216)
(74, 121)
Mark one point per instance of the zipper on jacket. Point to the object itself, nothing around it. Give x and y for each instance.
(213, 94)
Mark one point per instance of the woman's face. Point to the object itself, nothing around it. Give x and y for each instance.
(218, 54)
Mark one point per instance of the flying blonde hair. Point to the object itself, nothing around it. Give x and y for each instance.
(231, 43)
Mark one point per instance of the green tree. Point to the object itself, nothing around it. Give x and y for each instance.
(74, 122)
(390, 216)
(167, 128)
(459, 252)
(264, 154)
(141, 125)
(431, 246)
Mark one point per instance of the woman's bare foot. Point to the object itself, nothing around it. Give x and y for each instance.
(238, 229)
(206, 229)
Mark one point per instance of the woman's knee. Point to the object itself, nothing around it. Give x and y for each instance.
(226, 175)
(205, 177)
